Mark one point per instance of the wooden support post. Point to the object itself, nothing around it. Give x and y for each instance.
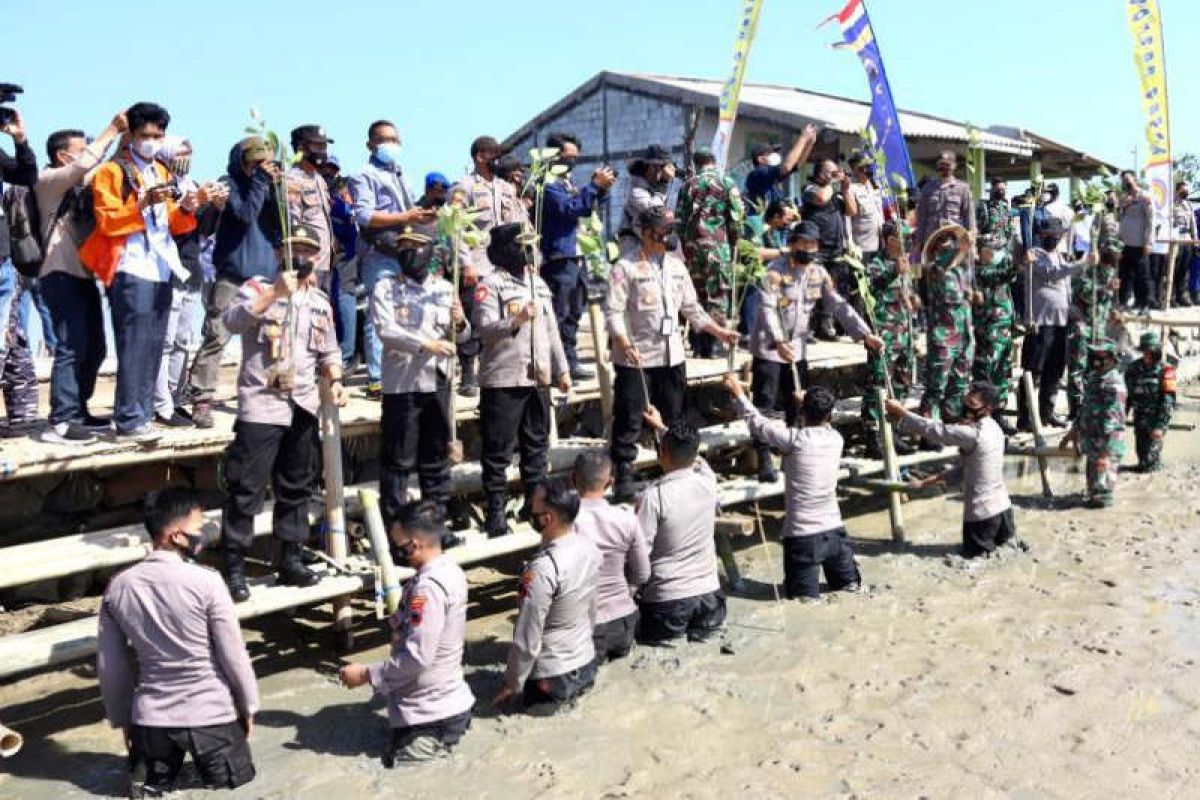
(733, 575)
(335, 513)
(1035, 420)
(891, 469)
(1172, 254)
(388, 587)
(603, 374)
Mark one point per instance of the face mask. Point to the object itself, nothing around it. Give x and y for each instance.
(388, 154)
(998, 194)
(316, 159)
(945, 258)
(538, 521)
(774, 160)
(822, 179)
(406, 550)
(195, 544)
(303, 266)
(568, 161)
(146, 149)
(945, 170)
(1096, 364)
(801, 257)
(1050, 242)
(672, 241)
(413, 268)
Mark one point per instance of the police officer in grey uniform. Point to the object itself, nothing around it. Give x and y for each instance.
(792, 287)
(648, 291)
(288, 344)
(650, 176)
(174, 672)
(429, 703)
(678, 515)
(813, 536)
(522, 357)
(495, 201)
(1044, 353)
(419, 319)
(552, 659)
(308, 195)
(987, 509)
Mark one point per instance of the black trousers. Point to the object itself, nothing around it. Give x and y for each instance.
(466, 295)
(284, 458)
(1045, 355)
(514, 417)
(1183, 266)
(697, 617)
(805, 556)
(772, 389)
(414, 434)
(983, 536)
(668, 392)
(560, 689)
(613, 639)
(567, 280)
(1134, 271)
(220, 752)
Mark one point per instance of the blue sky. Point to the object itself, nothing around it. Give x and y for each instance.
(446, 72)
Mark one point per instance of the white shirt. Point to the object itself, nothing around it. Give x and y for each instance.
(151, 255)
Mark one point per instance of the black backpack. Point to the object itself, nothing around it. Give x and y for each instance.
(24, 229)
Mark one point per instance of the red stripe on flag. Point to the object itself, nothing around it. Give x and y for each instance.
(848, 11)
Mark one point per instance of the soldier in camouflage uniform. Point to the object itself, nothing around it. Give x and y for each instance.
(949, 334)
(1099, 430)
(1151, 384)
(993, 320)
(891, 319)
(1093, 293)
(710, 214)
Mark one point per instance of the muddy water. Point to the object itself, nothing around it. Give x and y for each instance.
(1069, 670)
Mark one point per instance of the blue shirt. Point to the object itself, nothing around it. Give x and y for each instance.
(377, 189)
(344, 228)
(762, 184)
(562, 208)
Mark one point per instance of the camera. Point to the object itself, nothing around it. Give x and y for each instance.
(8, 94)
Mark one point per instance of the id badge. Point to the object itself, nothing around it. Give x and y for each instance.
(667, 326)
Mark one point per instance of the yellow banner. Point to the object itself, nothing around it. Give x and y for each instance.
(1145, 25)
(747, 25)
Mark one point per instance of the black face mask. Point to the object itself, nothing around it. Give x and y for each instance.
(1050, 242)
(316, 159)
(869, 171)
(538, 522)
(999, 194)
(801, 257)
(568, 161)
(402, 553)
(413, 265)
(303, 266)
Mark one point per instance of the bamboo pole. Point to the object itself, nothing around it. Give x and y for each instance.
(1035, 421)
(335, 511)
(10, 742)
(891, 468)
(388, 587)
(603, 375)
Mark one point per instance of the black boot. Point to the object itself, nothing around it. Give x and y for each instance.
(496, 523)
(468, 385)
(623, 489)
(526, 512)
(873, 448)
(235, 572)
(292, 571)
(766, 466)
(1050, 418)
(1005, 428)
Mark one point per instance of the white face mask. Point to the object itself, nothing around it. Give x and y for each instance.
(774, 160)
(147, 149)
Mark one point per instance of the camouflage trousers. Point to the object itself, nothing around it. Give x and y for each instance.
(712, 273)
(1103, 462)
(17, 375)
(896, 361)
(1149, 449)
(994, 356)
(1079, 335)
(947, 372)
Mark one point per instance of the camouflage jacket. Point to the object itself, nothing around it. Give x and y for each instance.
(995, 284)
(710, 210)
(948, 293)
(1151, 394)
(1081, 295)
(1101, 419)
(995, 224)
(888, 289)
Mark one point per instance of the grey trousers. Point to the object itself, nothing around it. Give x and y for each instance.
(207, 369)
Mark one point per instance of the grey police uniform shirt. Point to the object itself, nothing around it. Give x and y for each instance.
(496, 202)
(169, 650)
(553, 632)
(981, 452)
(625, 556)
(1051, 287)
(788, 299)
(264, 337)
(308, 202)
(422, 680)
(810, 464)
(642, 196)
(507, 349)
(406, 315)
(645, 300)
(678, 515)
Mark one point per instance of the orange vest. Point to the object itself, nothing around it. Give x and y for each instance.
(118, 216)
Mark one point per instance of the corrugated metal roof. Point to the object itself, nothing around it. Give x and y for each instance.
(839, 113)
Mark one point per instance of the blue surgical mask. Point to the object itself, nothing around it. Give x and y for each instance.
(388, 154)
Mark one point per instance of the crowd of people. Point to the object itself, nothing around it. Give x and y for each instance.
(271, 253)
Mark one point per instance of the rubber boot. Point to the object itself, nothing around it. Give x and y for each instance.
(292, 571)
(468, 385)
(235, 573)
(526, 512)
(496, 523)
(1049, 417)
(766, 465)
(1005, 427)
(623, 489)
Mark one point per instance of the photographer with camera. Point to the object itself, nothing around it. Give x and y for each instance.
(64, 198)
(19, 169)
(138, 211)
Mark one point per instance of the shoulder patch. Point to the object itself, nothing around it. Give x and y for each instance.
(526, 582)
(416, 608)
(481, 293)
(1168, 379)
